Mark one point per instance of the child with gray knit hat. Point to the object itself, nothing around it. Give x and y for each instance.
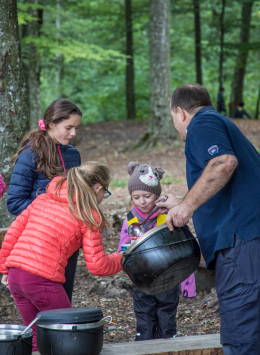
(155, 314)
(144, 177)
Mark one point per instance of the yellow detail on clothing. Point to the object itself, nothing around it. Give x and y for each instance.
(133, 220)
(161, 219)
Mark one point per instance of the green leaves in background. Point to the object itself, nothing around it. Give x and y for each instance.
(88, 51)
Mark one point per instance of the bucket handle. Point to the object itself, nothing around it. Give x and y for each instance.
(30, 325)
(106, 318)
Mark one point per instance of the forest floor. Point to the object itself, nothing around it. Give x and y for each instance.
(107, 142)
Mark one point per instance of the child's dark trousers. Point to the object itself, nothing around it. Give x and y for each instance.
(155, 315)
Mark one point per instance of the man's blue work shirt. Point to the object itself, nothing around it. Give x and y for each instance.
(235, 209)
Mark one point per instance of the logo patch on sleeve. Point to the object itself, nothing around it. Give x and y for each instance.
(213, 150)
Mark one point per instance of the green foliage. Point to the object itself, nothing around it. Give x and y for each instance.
(23, 15)
(76, 50)
(89, 45)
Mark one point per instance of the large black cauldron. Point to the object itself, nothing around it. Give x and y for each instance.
(161, 259)
(70, 331)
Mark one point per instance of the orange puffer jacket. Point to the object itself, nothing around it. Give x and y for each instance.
(45, 235)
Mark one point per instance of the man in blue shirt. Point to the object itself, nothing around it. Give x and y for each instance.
(223, 176)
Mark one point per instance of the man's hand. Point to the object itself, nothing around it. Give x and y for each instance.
(5, 280)
(171, 202)
(179, 215)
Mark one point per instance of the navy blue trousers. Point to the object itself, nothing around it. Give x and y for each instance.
(155, 315)
(70, 271)
(238, 289)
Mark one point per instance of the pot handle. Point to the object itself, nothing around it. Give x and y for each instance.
(30, 325)
(106, 318)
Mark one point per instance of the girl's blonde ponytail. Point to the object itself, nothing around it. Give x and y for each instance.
(81, 197)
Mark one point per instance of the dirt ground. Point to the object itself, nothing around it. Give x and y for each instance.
(107, 142)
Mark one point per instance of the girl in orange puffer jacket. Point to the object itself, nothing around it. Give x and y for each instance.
(40, 241)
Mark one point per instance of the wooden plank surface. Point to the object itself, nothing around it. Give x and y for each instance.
(190, 345)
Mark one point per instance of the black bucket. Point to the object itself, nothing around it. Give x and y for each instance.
(12, 343)
(70, 331)
(162, 259)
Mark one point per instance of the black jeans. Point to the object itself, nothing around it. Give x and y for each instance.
(70, 271)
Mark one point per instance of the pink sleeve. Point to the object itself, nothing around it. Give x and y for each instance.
(124, 237)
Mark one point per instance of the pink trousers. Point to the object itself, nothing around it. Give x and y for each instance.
(33, 294)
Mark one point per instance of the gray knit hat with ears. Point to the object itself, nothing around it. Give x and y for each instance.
(144, 177)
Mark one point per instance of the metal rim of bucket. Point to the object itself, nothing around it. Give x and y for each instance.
(148, 234)
(161, 246)
(74, 327)
(143, 237)
(16, 330)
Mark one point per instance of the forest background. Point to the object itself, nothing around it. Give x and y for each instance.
(82, 48)
(120, 60)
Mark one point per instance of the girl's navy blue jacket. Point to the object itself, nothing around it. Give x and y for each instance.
(26, 182)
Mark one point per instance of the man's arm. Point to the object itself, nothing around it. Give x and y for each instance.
(213, 178)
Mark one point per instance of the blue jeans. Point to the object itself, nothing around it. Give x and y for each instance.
(238, 289)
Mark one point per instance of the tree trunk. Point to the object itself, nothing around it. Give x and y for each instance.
(14, 111)
(33, 70)
(160, 73)
(240, 69)
(257, 105)
(58, 56)
(130, 90)
(222, 32)
(196, 4)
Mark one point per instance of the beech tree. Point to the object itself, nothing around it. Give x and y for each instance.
(130, 90)
(14, 112)
(222, 32)
(241, 61)
(160, 72)
(196, 4)
(257, 105)
(31, 64)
